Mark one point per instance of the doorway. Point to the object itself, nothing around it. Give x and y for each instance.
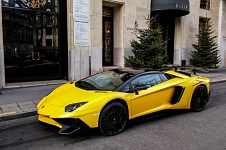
(107, 40)
(32, 45)
(167, 23)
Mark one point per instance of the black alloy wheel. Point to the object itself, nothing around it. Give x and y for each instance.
(199, 99)
(113, 119)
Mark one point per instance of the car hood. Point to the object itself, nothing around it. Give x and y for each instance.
(69, 94)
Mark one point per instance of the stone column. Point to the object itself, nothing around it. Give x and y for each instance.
(96, 35)
(2, 66)
(78, 56)
(222, 33)
(178, 39)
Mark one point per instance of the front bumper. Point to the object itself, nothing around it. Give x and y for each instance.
(63, 125)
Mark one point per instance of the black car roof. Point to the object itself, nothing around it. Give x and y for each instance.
(134, 71)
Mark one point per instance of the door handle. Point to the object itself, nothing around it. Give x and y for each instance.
(38, 56)
(33, 55)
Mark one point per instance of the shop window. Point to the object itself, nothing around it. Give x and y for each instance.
(203, 23)
(205, 4)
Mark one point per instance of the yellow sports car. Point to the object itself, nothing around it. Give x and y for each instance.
(108, 100)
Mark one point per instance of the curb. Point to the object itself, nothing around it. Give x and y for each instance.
(219, 81)
(35, 85)
(33, 111)
(18, 114)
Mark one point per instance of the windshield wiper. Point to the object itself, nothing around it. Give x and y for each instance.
(84, 85)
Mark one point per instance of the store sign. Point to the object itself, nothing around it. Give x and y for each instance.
(182, 6)
(81, 22)
(170, 7)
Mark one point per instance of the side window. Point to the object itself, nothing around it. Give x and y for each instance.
(148, 80)
(126, 88)
(203, 23)
(163, 77)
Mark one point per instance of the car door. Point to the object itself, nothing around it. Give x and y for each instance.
(153, 98)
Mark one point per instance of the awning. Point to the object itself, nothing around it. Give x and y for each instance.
(174, 8)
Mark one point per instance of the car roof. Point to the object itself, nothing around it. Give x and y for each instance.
(135, 71)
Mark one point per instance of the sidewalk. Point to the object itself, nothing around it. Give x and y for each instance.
(20, 99)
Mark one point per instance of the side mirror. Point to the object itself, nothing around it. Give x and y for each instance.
(139, 88)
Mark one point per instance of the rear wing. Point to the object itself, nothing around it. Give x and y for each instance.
(194, 69)
(166, 68)
(173, 74)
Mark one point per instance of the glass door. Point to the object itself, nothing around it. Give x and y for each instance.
(46, 52)
(31, 47)
(20, 51)
(107, 36)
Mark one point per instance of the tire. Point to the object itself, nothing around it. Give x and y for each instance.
(113, 119)
(199, 99)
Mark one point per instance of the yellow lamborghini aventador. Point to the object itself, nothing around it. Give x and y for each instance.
(108, 100)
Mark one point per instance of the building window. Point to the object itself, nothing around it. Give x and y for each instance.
(49, 31)
(48, 42)
(44, 5)
(203, 23)
(205, 4)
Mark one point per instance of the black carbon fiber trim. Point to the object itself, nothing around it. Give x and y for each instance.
(179, 90)
(71, 125)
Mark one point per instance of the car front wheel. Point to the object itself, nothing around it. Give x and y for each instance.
(199, 99)
(113, 119)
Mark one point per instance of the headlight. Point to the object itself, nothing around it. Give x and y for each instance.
(72, 107)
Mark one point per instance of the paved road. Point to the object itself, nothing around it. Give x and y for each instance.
(219, 70)
(187, 131)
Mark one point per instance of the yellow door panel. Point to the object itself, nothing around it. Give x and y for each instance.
(154, 98)
(148, 100)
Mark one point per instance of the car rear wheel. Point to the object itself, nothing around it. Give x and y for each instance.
(113, 119)
(199, 99)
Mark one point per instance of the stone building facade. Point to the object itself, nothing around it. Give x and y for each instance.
(105, 28)
(186, 28)
(125, 15)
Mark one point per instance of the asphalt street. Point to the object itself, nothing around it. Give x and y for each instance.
(186, 130)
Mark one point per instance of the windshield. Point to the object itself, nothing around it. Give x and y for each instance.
(108, 80)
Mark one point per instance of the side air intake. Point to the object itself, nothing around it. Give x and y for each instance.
(179, 90)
